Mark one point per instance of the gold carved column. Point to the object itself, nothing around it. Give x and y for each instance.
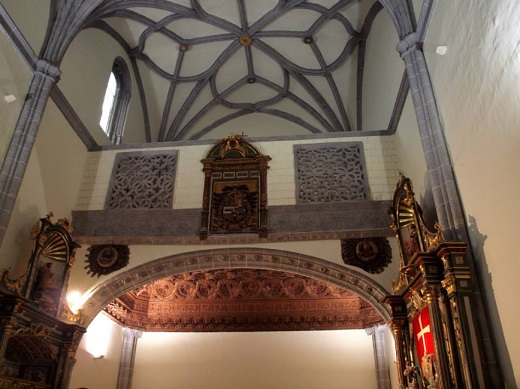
(459, 288)
(398, 326)
(432, 275)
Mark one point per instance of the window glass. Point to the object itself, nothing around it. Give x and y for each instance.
(116, 101)
(108, 103)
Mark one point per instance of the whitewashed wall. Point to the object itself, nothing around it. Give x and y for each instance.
(103, 338)
(477, 85)
(255, 360)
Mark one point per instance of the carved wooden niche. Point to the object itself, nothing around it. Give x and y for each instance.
(412, 234)
(235, 189)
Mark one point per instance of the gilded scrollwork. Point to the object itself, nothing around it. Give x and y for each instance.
(407, 221)
(450, 284)
(36, 329)
(418, 302)
(14, 286)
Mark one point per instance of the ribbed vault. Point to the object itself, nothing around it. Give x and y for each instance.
(205, 64)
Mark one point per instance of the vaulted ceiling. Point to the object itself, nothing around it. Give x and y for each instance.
(295, 67)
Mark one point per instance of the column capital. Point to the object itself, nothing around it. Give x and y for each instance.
(131, 333)
(375, 330)
(431, 292)
(409, 42)
(48, 69)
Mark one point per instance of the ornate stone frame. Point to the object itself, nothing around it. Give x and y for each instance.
(231, 164)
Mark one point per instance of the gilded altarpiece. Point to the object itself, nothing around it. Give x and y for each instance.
(235, 189)
(432, 306)
(39, 334)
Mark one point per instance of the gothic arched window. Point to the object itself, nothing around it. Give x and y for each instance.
(117, 99)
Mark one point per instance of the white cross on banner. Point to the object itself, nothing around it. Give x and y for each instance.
(423, 333)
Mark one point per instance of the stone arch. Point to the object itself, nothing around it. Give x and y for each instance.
(401, 15)
(233, 258)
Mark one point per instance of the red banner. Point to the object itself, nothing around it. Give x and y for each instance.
(423, 334)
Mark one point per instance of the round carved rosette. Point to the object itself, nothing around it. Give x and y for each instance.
(106, 259)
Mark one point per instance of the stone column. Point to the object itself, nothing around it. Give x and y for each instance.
(22, 141)
(438, 163)
(448, 203)
(380, 356)
(126, 366)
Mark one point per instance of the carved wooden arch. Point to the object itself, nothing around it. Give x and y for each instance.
(235, 258)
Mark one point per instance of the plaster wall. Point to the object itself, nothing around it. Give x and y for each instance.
(257, 360)
(15, 78)
(412, 162)
(31, 18)
(477, 84)
(51, 183)
(86, 68)
(383, 71)
(103, 337)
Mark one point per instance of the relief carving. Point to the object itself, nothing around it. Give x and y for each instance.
(372, 255)
(241, 300)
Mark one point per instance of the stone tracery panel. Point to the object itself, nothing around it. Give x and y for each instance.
(331, 172)
(142, 180)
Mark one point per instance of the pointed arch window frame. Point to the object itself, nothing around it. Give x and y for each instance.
(121, 101)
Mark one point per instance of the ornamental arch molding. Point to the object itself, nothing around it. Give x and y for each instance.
(236, 258)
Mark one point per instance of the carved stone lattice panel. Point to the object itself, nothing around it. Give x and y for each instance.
(142, 180)
(332, 172)
(241, 300)
(370, 254)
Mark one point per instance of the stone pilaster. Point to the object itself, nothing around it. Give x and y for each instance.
(446, 196)
(380, 356)
(438, 163)
(126, 366)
